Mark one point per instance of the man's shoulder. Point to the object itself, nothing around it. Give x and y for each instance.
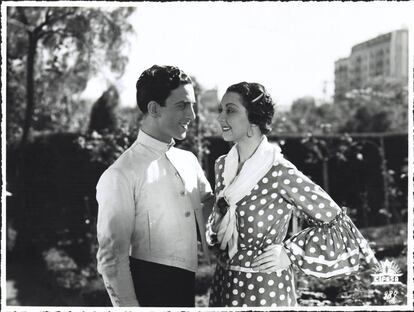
(182, 153)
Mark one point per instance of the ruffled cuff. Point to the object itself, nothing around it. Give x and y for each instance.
(328, 249)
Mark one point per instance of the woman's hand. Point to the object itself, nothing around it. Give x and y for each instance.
(274, 258)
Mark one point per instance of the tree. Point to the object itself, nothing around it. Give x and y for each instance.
(51, 53)
(103, 116)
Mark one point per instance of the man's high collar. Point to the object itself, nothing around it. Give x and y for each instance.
(147, 140)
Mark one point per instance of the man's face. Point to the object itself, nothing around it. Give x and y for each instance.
(177, 113)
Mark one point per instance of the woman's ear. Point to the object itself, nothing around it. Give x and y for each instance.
(153, 109)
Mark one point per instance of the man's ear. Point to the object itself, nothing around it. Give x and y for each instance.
(153, 109)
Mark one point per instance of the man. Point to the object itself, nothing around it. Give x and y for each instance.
(150, 202)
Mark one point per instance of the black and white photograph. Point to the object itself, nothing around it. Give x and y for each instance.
(207, 155)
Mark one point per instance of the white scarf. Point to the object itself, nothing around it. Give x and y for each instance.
(237, 187)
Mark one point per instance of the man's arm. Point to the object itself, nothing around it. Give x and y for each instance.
(116, 217)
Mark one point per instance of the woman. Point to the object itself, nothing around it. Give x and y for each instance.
(257, 191)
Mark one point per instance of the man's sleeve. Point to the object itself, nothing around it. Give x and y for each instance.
(204, 187)
(116, 213)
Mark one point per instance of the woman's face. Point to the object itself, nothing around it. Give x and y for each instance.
(233, 117)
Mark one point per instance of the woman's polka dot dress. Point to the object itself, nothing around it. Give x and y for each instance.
(332, 246)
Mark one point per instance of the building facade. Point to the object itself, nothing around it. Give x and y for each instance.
(385, 56)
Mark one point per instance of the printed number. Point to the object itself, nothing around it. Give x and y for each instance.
(390, 294)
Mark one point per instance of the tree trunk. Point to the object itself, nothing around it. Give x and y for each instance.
(30, 101)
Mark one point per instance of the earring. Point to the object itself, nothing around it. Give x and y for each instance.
(249, 132)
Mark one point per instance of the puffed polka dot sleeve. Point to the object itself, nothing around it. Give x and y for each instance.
(211, 235)
(332, 245)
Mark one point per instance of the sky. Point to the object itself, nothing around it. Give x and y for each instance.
(290, 48)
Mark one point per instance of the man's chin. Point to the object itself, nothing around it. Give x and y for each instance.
(180, 136)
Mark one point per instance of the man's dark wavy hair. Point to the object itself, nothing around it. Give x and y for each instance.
(258, 103)
(156, 84)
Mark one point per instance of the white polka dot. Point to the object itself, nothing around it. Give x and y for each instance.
(280, 285)
(280, 211)
(241, 257)
(263, 201)
(300, 262)
(294, 190)
(287, 277)
(299, 180)
(234, 302)
(268, 241)
(261, 290)
(270, 217)
(274, 174)
(312, 249)
(250, 230)
(250, 219)
(253, 298)
(286, 181)
(279, 274)
(318, 216)
(280, 173)
(288, 289)
(270, 282)
(310, 207)
(300, 243)
(302, 198)
(319, 268)
(250, 286)
(323, 247)
(329, 214)
(282, 297)
(280, 200)
(353, 261)
(274, 185)
(220, 166)
(242, 213)
(260, 224)
(311, 233)
(249, 253)
(254, 197)
(314, 197)
(332, 253)
(265, 180)
(252, 207)
(272, 294)
(262, 302)
(265, 191)
(259, 278)
(292, 257)
(273, 196)
(283, 192)
(249, 275)
(315, 239)
(242, 294)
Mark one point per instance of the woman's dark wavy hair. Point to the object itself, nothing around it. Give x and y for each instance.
(156, 84)
(258, 103)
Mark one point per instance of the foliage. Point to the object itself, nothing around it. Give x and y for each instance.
(381, 106)
(51, 54)
(103, 111)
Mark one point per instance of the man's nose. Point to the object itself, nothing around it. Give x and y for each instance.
(190, 113)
